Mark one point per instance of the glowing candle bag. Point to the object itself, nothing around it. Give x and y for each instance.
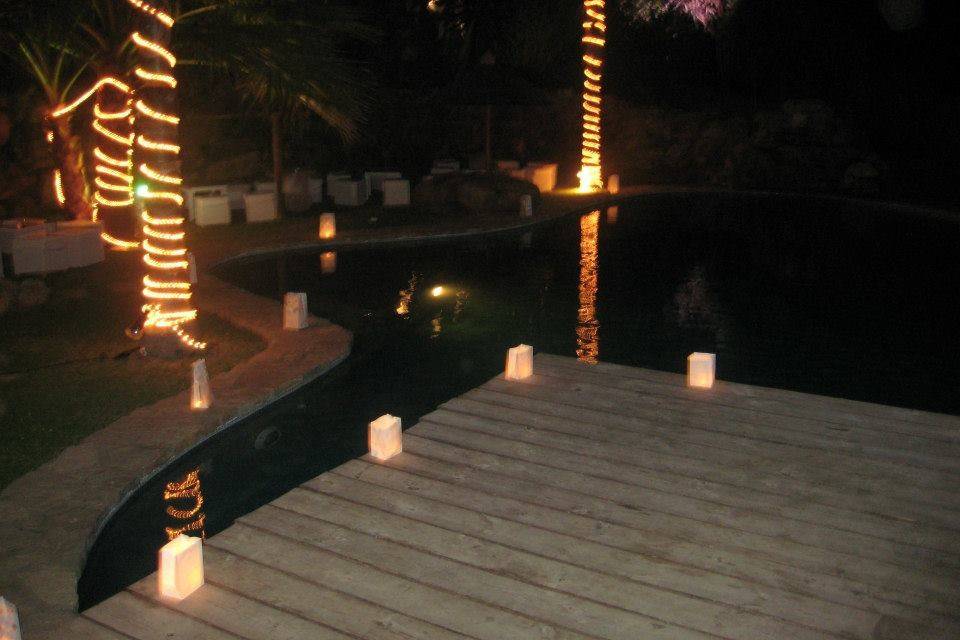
(328, 226)
(295, 311)
(201, 397)
(386, 439)
(519, 362)
(181, 567)
(613, 184)
(9, 621)
(701, 370)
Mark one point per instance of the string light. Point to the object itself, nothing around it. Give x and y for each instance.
(162, 78)
(154, 48)
(67, 108)
(166, 287)
(58, 187)
(163, 17)
(594, 41)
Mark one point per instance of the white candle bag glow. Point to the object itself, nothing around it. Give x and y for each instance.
(519, 362)
(9, 621)
(201, 397)
(701, 370)
(613, 184)
(294, 311)
(328, 226)
(181, 567)
(386, 439)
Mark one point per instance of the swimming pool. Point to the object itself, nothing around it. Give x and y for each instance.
(817, 296)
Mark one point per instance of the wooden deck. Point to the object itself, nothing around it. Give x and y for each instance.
(598, 502)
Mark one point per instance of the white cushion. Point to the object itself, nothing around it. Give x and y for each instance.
(260, 207)
(211, 210)
(396, 193)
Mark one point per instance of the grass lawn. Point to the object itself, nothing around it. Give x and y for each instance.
(66, 368)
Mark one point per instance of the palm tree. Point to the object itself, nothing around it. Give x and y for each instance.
(286, 58)
(41, 48)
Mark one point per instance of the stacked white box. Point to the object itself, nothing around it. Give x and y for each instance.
(374, 179)
(28, 253)
(211, 210)
(190, 194)
(396, 193)
(347, 193)
(260, 207)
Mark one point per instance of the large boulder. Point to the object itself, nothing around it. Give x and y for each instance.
(473, 194)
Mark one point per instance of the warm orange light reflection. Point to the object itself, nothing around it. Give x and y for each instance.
(588, 327)
(187, 496)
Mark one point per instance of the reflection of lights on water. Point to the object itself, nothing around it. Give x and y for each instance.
(612, 214)
(328, 262)
(437, 291)
(436, 327)
(460, 304)
(406, 296)
(190, 493)
(588, 328)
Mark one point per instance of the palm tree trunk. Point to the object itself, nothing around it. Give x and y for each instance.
(276, 136)
(67, 151)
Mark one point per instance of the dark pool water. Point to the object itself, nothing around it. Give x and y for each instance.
(813, 296)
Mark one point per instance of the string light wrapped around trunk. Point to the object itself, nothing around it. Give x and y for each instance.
(166, 284)
(594, 41)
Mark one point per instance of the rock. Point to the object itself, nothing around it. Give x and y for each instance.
(33, 292)
(473, 194)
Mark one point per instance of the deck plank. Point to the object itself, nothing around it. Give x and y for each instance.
(939, 469)
(499, 589)
(934, 425)
(889, 436)
(385, 588)
(537, 570)
(240, 615)
(598, 502)
(634, 567)
(613, 461)
(346, 613)
(446, 483)
(661, 450)
(143, 619)
(908, 483)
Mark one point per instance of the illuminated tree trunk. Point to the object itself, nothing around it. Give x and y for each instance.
(69, 159)
(594, 40)
(167, 290)
(113, 166)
